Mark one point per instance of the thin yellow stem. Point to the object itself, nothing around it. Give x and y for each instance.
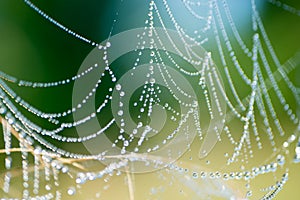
(14, 150)
(130, 183)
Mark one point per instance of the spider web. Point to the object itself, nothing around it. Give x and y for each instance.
(211, 86)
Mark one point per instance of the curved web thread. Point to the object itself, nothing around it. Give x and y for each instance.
(259, 96)
(230, 50)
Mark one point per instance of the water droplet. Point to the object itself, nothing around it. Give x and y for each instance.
(195, 175)
(118, 87)
(120, 112)
(126, 143)
(71, 191)
(2, 110)
(65, 169)
(249, 193)
(10, 120)
(48, 187)
(152, 80)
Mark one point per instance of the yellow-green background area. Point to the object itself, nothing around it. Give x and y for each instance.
(33, 49)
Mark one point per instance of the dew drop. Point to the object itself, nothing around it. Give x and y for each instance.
(118, 87)
(195, 175)
(71, 191)
(120, 112)
(152, 80)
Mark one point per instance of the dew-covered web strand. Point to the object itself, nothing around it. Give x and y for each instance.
(279, 94)
(25, 83)
(158, 59)
(229, 47)
(285, 6)
(183, 36)
(53, 133)
(59, 25)
(176, 25)
(267, 125)
(189, 73)
(35, 111)
(69, 139)
(51, 116)
(39, 113)
(277, 90)
(62, 126)
(182, 33)
(271, 49)
(288, 66)
(221, 52)
(243, 47)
